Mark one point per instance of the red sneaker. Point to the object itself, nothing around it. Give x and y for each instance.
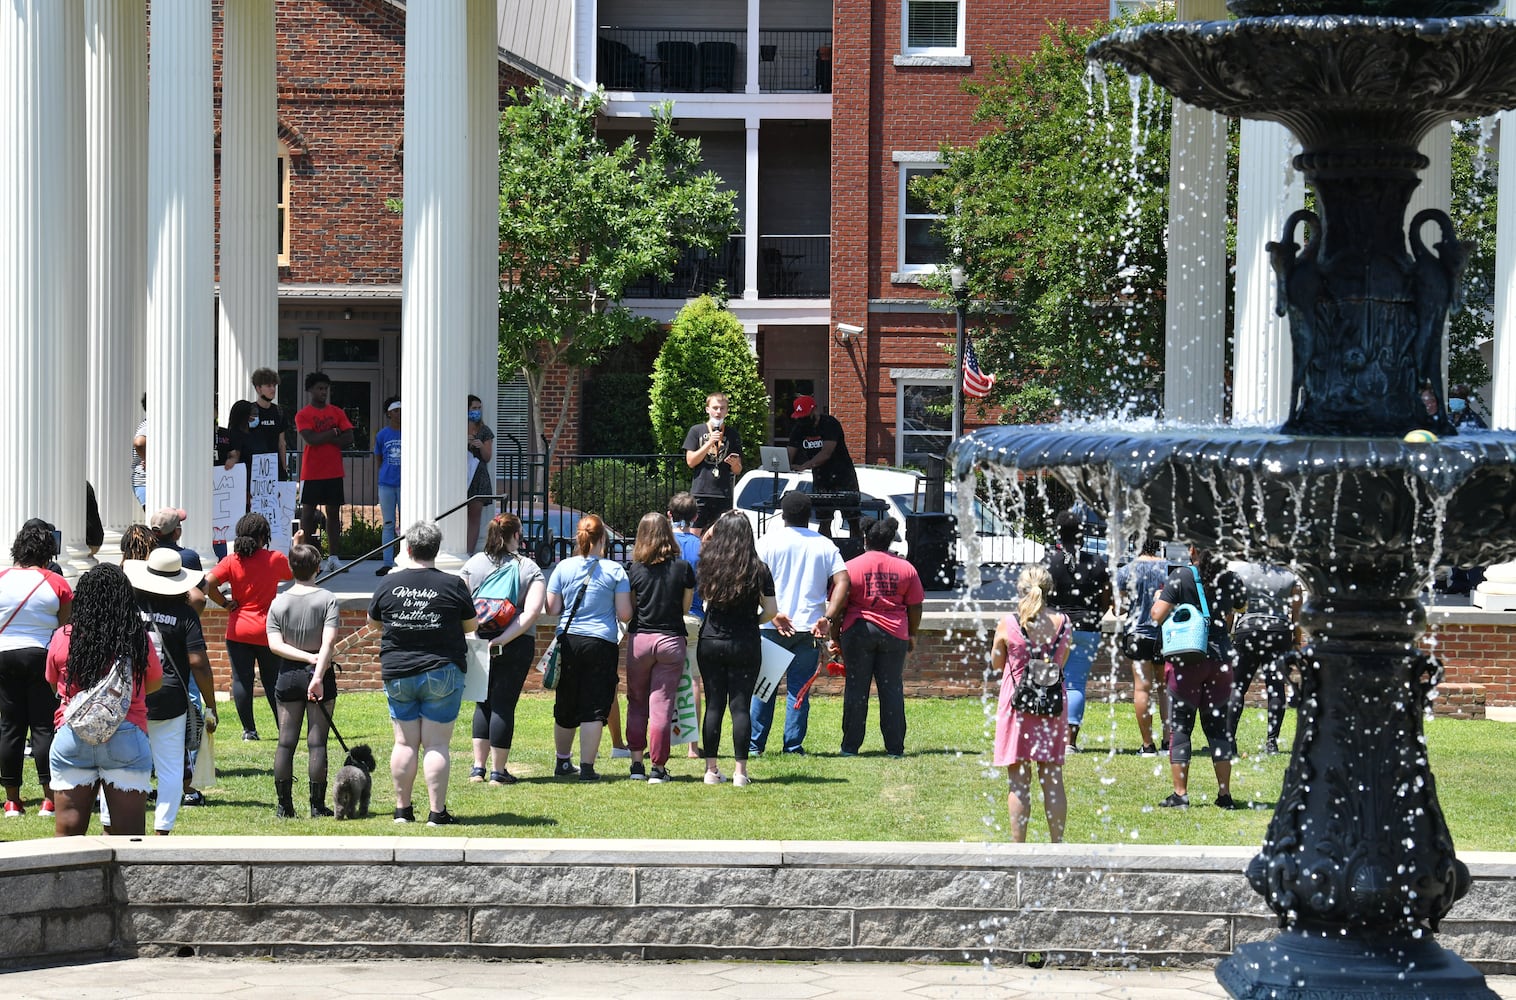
(13, 809)
(46, 812)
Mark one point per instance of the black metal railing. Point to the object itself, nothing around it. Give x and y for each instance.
(697, 272)
(794, 61)
(794, 267)
(672, 60)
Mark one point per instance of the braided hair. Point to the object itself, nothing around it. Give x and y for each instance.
(137, 541)
(105, 625)
(253, 533)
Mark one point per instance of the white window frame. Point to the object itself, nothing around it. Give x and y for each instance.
(905, 378)
(929, 50)
(906, 166)
(282, 208)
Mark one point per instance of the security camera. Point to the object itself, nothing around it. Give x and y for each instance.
(847, 331)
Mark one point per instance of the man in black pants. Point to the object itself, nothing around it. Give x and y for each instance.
(817, 444)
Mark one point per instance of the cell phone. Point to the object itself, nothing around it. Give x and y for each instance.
(294, 527)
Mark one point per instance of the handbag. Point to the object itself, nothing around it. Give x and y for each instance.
(550, 665)
(1040, 689)
(496, 599)
(1187, 630)
(194, 716)
(96, 714)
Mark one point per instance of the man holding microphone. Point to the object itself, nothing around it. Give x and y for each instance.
(714, 451)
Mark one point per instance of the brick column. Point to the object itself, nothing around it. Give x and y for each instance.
(116, 198)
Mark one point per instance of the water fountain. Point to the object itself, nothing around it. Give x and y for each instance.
(1358, 863)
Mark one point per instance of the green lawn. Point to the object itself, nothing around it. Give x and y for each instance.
(943, 790)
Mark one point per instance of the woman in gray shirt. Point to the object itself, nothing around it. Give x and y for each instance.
(302, 631)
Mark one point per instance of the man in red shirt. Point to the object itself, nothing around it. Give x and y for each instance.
(325, 430)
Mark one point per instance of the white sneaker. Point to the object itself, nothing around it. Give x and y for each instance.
(715, 778)
(741, 780)
(623, 753)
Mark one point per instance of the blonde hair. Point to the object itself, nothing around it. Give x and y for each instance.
(1034, 585)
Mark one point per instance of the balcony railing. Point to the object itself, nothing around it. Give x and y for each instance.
(698, 60)
(794, 267)
(697, 272)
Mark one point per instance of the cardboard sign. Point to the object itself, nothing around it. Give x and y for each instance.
(275, 501)
(686, 725)
(228, 501)
(776, 661)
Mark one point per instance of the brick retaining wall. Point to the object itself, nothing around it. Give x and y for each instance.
(384, 897)
(1478, 650)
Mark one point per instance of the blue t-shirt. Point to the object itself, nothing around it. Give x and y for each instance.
(605, 578)
(1140, 581)
(387, 447)
(689, 550)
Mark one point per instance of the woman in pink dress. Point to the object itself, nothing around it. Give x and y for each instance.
(1020, 739)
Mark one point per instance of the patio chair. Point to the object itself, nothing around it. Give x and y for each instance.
(619, 67)
(718, 65)
(679, 60)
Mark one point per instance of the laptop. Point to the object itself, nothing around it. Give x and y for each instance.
(775, 459)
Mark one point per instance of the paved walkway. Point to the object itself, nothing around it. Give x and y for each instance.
(255, 979)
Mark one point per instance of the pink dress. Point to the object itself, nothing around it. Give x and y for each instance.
(1019, 737)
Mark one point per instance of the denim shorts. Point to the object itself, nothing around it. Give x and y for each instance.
(124, 761)
(435, 695)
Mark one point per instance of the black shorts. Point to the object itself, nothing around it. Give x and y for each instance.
(322, 493)
(710, 508)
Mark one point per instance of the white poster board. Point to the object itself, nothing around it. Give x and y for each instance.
(776, 661)
(685, 727)
(228, 501)
(273, 499)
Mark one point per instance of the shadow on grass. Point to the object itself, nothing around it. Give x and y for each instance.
(505, 819)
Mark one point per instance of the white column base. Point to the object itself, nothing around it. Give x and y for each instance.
(1498, 591)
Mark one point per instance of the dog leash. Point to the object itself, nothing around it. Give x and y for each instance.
(333, 724)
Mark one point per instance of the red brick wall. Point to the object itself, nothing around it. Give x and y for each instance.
(879, 108)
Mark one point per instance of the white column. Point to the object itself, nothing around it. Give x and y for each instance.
(1435, 191)
(436, 309)
(181, 244)
(42, 264)
(1268, 190)
(484, 165)
(248, 331)
(116, 171)
(1195, 316)
(750, 214)
(753, 22)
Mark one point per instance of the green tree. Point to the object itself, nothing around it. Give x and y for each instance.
(1474, 183)
(706, 351)
(1057, 217)
(580, 221)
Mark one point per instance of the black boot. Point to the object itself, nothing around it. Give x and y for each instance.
(318, 803)
(1073, 737)
(286, 807)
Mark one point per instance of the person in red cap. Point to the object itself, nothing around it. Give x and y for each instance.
(817, 444)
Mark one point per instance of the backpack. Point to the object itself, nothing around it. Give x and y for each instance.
(96, 714)
(496, 599)
(1040, 689)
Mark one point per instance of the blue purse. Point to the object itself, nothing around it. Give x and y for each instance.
(1187, 630)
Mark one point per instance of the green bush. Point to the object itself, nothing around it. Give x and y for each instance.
(706, 351)
(359, 536)
(620, 492)
(616, 415)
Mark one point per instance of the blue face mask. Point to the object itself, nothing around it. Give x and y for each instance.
(476, 415)
(1456, 405)
(252, 422)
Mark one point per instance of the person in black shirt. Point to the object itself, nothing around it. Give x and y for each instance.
(817, 444)
(714, 450)
(267, 435)
(1082, 591)
(1205, 685)
(663, 587)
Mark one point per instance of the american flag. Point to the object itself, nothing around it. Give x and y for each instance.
(976, 384)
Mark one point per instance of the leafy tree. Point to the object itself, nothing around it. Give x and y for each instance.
(1058, 218)
(580, 221)
(1474, 183)
(706, 351)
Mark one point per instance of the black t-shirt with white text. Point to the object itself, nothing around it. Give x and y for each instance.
(178, 634)
(264, 439)
(837, 472)
(422, 611)
(713, 476)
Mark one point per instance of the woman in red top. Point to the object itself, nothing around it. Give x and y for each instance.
(106, 627)
(254, 572)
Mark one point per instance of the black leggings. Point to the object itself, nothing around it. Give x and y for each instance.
(729, 671)
(1263, 651)
(317, 724)
(27, 702)
(495, 719)
(243, 655)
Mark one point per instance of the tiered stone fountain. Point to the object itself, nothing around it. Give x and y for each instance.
(1358, 862)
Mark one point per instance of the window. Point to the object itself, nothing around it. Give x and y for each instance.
(1120, 8)
(933, 27)
(923, 415)
(922, 248)
(282, 210)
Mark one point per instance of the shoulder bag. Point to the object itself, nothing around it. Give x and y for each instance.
(1187, 630)
(549, 664)
(194, 716)
(95, 715)
(1040, 689)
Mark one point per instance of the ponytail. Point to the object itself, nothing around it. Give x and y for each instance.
(1034, 585)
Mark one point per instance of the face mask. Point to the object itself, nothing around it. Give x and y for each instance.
(476, 415)
(252, 422)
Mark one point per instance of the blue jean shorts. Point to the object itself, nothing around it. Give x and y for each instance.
(124, 761)
(435, 695)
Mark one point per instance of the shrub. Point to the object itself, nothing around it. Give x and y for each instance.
(616, 415)
(359, 536)
(706, 351)
(620, 492)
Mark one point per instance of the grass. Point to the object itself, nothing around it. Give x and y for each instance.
(944, 789)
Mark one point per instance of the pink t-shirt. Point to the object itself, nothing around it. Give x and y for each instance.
(882, 587)
(255, 580)
(57, 676)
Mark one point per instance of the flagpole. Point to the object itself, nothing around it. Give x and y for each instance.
(961, 301)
